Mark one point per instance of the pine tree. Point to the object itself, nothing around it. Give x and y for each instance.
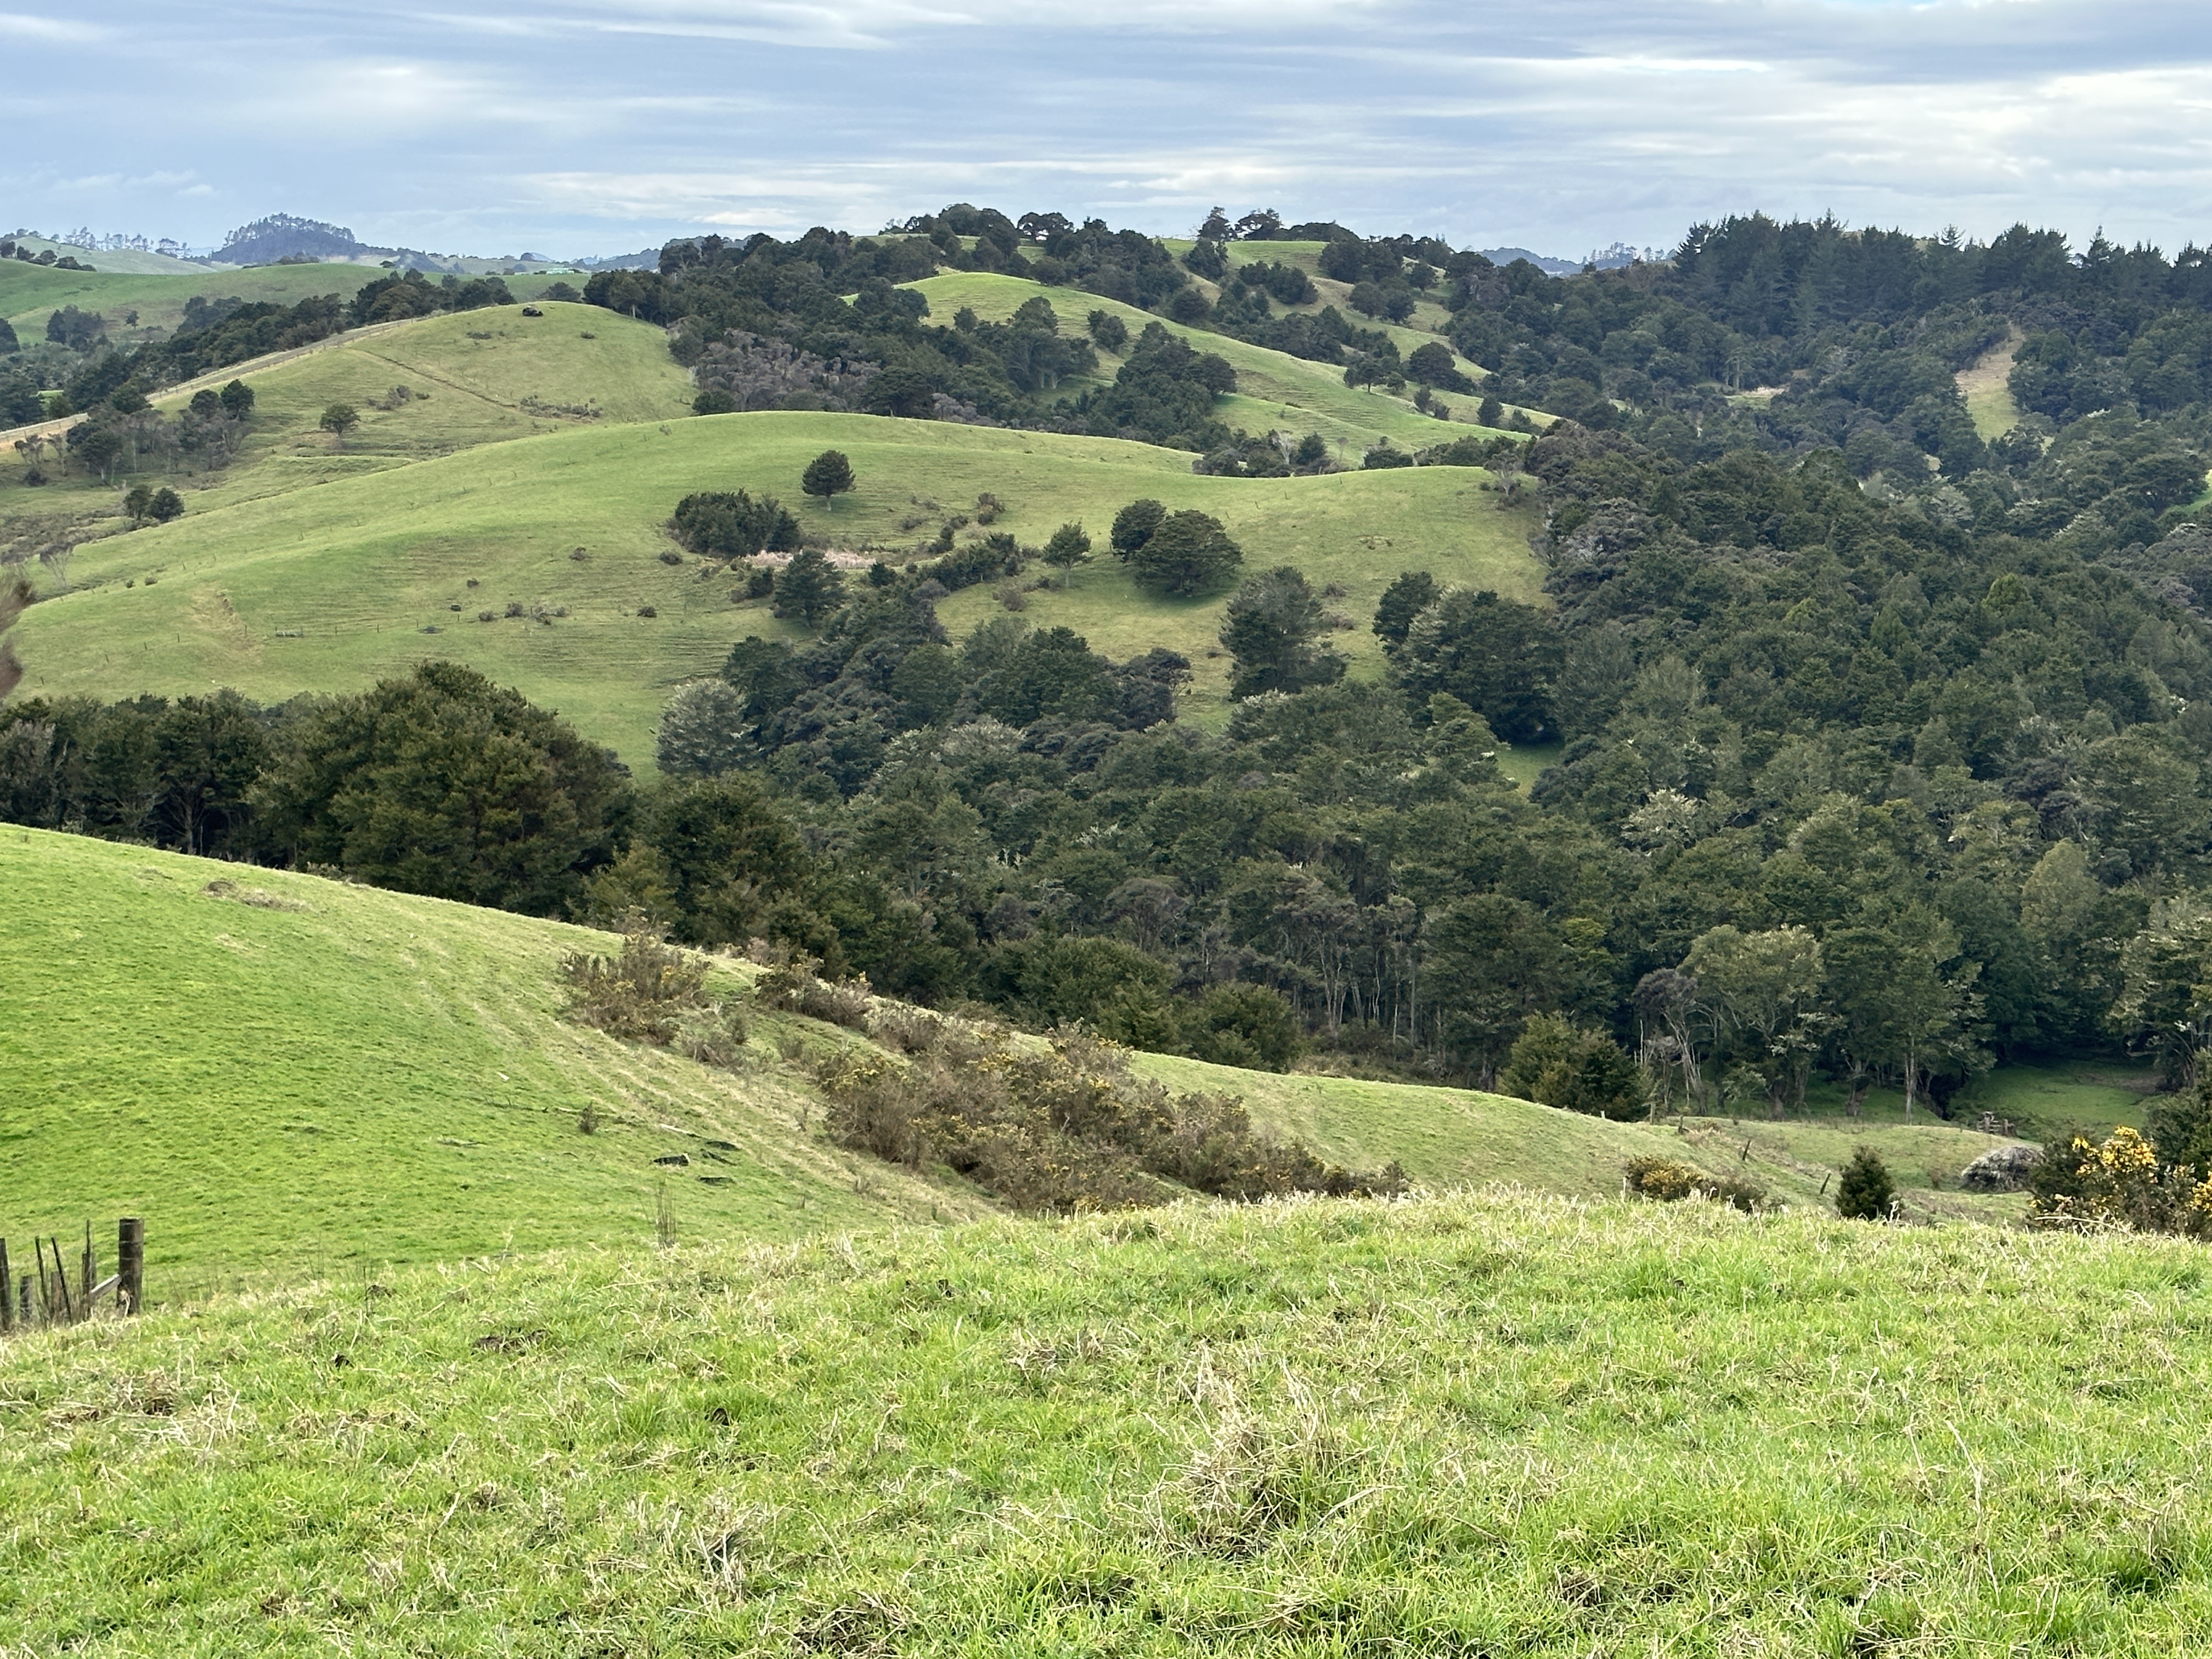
(1865, 1193)
(808, 588)
(828, 474)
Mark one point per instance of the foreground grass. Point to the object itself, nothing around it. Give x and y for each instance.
(329, 1077)
(325, 588)
(1489, 1424)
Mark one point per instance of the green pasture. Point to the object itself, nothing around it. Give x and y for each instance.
(1988, 391)
(29, 294)
(329, 586)
(1274, 389)
(305, 1077)
(1486, 1424)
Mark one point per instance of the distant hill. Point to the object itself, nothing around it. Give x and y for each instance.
(283, 236)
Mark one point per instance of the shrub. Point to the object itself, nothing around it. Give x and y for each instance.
(2118, 1182)
(641, 994)
(1066, 1130)
(1865, 1193)
(797, 989)
(1670, 1180)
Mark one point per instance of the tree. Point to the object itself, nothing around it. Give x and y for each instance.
(1764, 989)
(809, 588)
(1108, 330)
(1897, 1005)
(1499, 657)
(1432, 365)
(1409, 594)
(703, 732)
(14, 597)
(237, 400)
(98, 447)
(138, 504)
(339, 419)
(443, 783)
(1554, 1064)
(1865, 1192)
(828, 474)
(1270, 629)
(1190, 554)
(1067, 548)
(1133, 526)
(1491, 961)
(165, 505)
(730, 854)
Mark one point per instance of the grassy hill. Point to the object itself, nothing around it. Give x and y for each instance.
(1274, 389)
(29, 292)
(1496, 1425)
(288, 1075)
(328, 586)
(301, 1074)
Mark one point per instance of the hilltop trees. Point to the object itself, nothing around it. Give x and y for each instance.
(733, 525)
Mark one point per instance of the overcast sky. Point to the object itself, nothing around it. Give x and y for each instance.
(574, 127)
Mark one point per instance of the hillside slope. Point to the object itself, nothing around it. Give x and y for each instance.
(327, 588)
(1274, 389)
(30, 293)
(303, 1074)
(1488, 1425)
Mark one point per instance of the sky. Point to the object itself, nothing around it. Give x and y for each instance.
(581, 127)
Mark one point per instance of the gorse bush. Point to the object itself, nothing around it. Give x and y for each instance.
(797, 988)
(1067, 1129)
(641, 994)
(1669, 1181)
(2120, 1182)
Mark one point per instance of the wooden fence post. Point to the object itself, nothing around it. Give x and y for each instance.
(7, 1292)
(89, 1278)
(130, 1261)
(61, 1281)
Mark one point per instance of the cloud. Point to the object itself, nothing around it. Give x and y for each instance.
(599, 122)
(26, 26)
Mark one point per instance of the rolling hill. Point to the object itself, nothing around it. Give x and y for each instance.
(329, 585)
(289, 1075)
(30, 293)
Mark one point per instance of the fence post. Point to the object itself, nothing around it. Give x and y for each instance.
(89, 1277)
(6, 1291)
(130, 1261)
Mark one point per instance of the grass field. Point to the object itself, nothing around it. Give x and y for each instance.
(1493, 1425)
(29, 294)
(1274, 389)
(336, 1077)
(1988, 393)
(329, 586)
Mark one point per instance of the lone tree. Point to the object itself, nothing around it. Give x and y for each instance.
(1865, 1193)
(1190, 554)
(338, 420)
(166, 504)
(237, 400)
(1069, 548)
(1270, 632)
(828, 474)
